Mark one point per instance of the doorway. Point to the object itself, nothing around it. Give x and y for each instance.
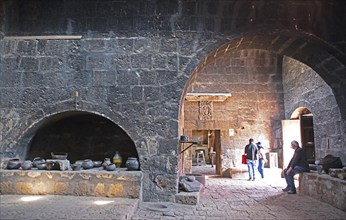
(206, 154)
(307, 134)
(299, 128)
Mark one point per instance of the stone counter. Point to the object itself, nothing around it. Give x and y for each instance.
(119, 183)
(325, 188)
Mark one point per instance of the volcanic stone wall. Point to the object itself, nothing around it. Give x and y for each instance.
(305, 88)
(134, 82)
(130, 61)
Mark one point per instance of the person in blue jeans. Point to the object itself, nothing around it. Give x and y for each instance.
(261, 159)
(298, 164)
(251, 158)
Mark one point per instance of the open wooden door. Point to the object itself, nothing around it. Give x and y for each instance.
(290, 132)
(217, 144)
(308, 144)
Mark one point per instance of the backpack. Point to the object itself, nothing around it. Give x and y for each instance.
(330, 161)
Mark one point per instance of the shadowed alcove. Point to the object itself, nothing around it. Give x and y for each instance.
(83, 136)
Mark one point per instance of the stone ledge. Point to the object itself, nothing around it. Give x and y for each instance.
(325, 188)
(122, 184)
(187, 198)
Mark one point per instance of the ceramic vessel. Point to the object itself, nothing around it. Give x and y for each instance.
(184, 138)
(59, 155)
(76, 166)
(106, 162)
(13, 163)
(97, 163)
(117, 159)
(26, 165)
(132, 163)
(110, 167)
(87, 164)
(41, 166)
(37, 160)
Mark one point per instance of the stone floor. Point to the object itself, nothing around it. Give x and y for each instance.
(222, 198)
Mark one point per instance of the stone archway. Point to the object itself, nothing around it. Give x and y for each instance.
(305, 49)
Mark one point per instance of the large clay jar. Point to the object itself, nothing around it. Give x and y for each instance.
(13, 163)
(132, 163)
(26, 165)
(87, 164)
(106, 162)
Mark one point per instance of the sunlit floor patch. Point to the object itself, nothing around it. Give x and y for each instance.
(102, 202)
(30, 198)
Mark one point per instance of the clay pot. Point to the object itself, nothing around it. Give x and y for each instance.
(110, 167)
(59, 155)
(76, 166)
(106, 162)
(26, 165)
(41, 166)
(37, 160)
(132, 163)
(97, 163)
(13, 163)
(87, 164)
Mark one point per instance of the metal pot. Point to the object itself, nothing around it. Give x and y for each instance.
(41, 166)
(132, 163)
(76, 166)
(13, 163)
(184, 138)
(87, 164)
(106, 162)
(97, 163)
(59, 155)
(26, 165)
(110, 167)
(37, 160)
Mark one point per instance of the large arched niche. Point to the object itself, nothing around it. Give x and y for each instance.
(82, 135)
(20, 140)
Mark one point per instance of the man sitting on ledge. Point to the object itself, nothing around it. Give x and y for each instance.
(298, 164)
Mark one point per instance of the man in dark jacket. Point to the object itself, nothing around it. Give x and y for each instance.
(251, 157)
(298, 164)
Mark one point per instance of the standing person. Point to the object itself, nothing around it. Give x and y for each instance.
(261, 158)
(251, 157)
(298, 164)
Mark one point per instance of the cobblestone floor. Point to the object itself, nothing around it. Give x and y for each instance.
(225, 198)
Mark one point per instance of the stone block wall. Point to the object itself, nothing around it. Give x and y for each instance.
(118, 184)
(132, 61)
(40, 78)
(303, 87)
(325, 188)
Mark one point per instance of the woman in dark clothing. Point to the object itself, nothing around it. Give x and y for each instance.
(298, 164)
(261, 159)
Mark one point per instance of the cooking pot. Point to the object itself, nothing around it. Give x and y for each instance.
(184, 138)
